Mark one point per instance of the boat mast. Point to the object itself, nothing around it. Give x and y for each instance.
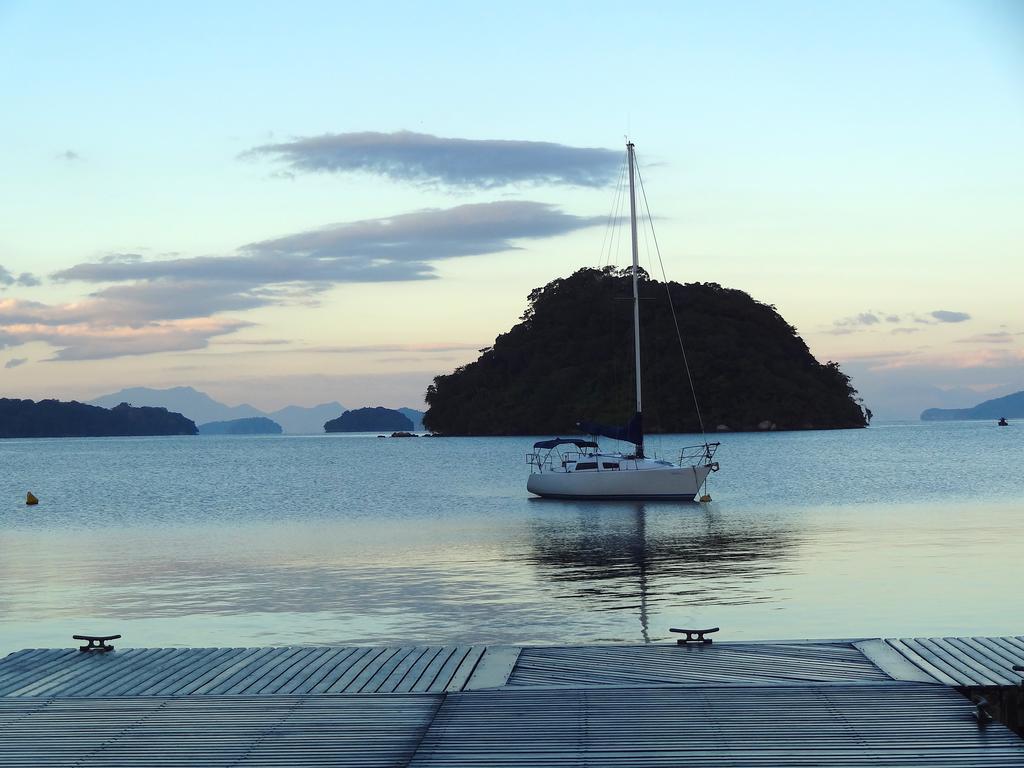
(636, 293)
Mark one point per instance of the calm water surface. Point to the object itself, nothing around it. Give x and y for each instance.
(897, 529)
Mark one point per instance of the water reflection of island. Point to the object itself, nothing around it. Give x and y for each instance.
(630, 555)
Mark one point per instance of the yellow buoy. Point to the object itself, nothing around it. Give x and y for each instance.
(705, 498)
(30, 499)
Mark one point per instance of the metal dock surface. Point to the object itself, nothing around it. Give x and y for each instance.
(838, 703)
(959, 661)
(355, 730)
(712, 663)
(239, 671)
(838, 725)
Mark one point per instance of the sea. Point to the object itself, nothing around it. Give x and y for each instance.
(901, 529)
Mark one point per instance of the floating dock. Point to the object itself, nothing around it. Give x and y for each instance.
(893, 701)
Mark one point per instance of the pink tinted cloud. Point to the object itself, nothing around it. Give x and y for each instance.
(955, 360)
(96, 329)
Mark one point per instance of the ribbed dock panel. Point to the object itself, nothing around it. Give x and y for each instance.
(214, 731)
(887, 724)
(964, 661)
(712, 663)
(860, 724)
(238, 671)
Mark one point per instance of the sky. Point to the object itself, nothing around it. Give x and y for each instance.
(296, 203)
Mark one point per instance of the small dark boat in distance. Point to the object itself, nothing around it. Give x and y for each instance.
(1003, 422)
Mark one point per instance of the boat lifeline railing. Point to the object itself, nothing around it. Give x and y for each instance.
(552, 460)
(540, 461)
(699, 454)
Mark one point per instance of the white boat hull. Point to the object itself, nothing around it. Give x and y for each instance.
(660, 482)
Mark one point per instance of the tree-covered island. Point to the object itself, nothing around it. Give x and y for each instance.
(53, 418)
(369, 420)
(571, 357)
(257, 425)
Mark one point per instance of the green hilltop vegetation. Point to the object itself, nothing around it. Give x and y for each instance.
(53, 418)
(571, 357)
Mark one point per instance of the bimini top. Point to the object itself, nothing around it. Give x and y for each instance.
(565, 441)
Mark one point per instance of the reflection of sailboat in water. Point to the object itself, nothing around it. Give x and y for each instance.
(640, 557)
(628, 557)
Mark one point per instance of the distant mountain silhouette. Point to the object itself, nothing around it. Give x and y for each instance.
(300, 420)
(254, 426)
(52, 418)
(416, 417)
(203, 409)
(1011, 406)
(369, 420)
(196, 405)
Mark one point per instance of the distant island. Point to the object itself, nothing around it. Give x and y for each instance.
(305, 420)
(258, 425)
(370, 420)
(53, 418)
(1010, 407)
(416, 417)
(202, 408)
(571, 358)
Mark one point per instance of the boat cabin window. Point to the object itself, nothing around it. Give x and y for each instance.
(609, 465)
(586, 465)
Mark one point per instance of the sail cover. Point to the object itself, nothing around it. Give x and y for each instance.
(633, 432)
(565, 441)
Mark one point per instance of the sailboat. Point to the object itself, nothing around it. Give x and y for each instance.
(576, 468)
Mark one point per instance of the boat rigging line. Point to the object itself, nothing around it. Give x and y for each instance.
(672, 306)
(612, 231)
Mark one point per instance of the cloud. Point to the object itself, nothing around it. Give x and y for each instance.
(377, 348)
(170, 304)
(846, 325)
(423, 351)
(879, 357)
(989, 358)
(945, 316)
(255, 342)
(905, 330)
(69, 156)
(395, 248)
(8, 278)
(866, 318)
(14, 362)
(426, 159)
(134, 306)
(98, 329)
(122, 258)
(156, 337)
(142, 302)
(134, 319)
(999, 337)
(419, 359)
